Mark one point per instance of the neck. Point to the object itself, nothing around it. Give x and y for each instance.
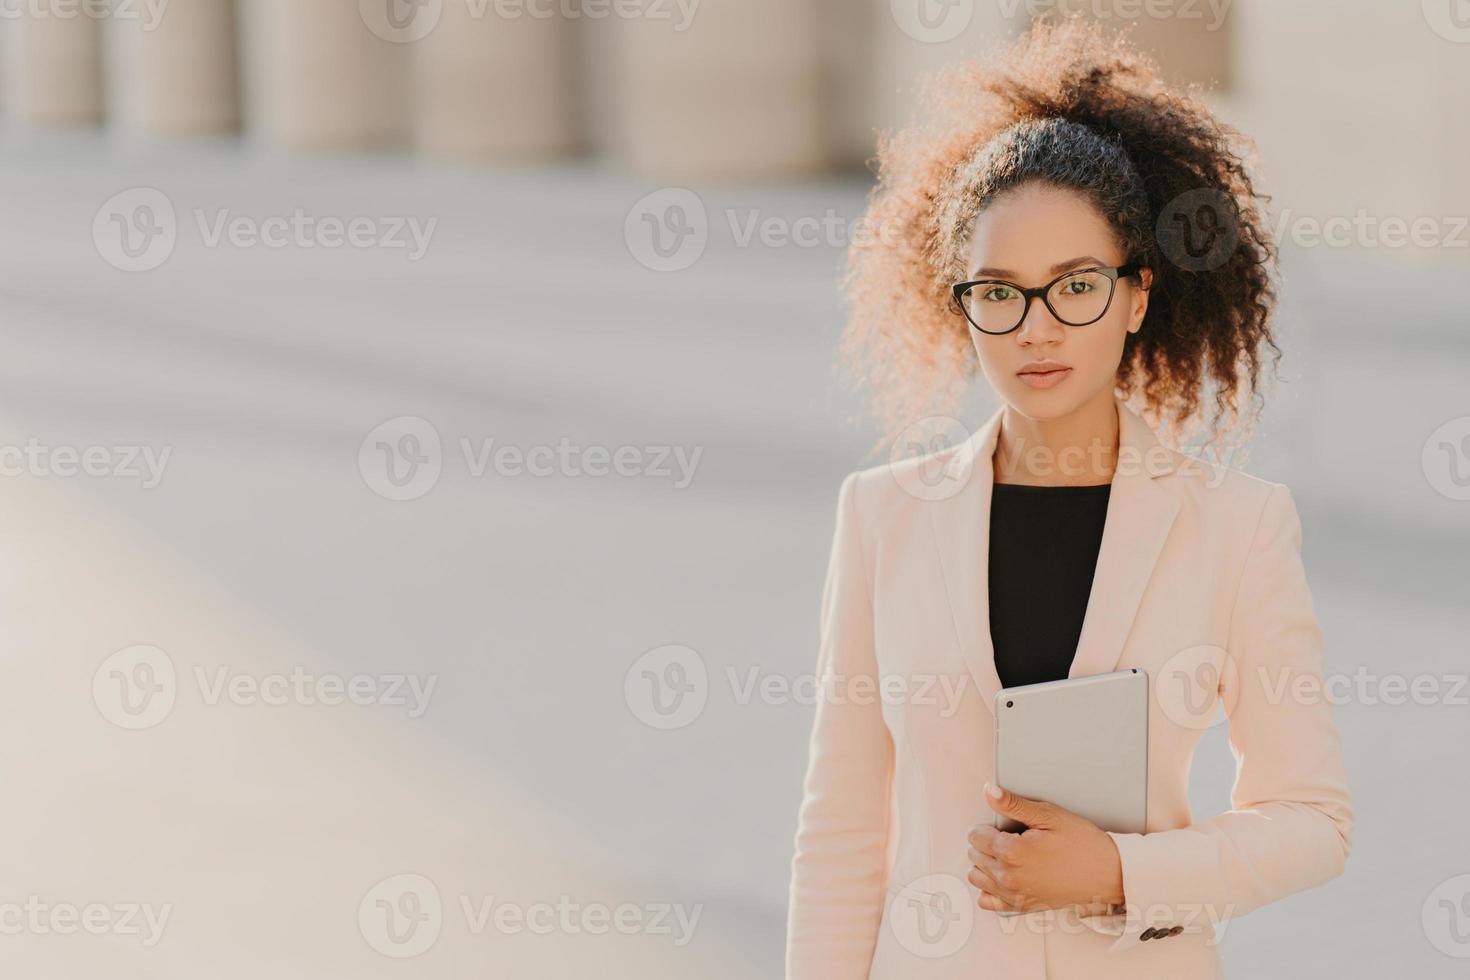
(1077, 449)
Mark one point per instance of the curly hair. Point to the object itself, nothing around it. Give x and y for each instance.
(1074, 107)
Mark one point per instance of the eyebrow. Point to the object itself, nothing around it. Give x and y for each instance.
(1060, 267)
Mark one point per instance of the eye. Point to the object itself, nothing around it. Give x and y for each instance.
(997, 293)
(1079, 286)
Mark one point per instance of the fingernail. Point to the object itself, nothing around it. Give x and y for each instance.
(992, 791)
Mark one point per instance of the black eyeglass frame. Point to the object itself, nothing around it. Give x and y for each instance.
(1114, 273)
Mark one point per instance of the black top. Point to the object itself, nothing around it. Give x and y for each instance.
(1043, 551)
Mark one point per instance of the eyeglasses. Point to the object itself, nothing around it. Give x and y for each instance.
(994, 306)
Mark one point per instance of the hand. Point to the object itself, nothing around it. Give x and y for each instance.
(1060, 860)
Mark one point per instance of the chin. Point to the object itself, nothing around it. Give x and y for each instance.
(1042, 406)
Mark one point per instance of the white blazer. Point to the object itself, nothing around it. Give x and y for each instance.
(1199, 583)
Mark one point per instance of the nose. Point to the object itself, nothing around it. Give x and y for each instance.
(1039, 327)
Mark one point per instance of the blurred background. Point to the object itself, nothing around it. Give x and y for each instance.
(420, 429)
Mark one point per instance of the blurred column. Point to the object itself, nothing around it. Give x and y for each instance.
(595, 82)
(1358, 148)
(1390, 101)
(495, 83)
(908, 39)
(54, 65)
(176, 76)
(722, 88)
(1190, 41)
(912, 38)
(849, 39)
(1449, 126)
(326, 74)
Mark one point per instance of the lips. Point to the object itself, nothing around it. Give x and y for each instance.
(1043, 375)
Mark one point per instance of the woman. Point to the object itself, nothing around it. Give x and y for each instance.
(1094, 240)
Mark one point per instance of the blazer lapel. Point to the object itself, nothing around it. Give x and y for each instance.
(961, 524)
(1140, 513)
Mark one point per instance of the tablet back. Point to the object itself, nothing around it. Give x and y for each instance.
(1080, 743)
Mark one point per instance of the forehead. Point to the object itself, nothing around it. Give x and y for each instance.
(1028, 230)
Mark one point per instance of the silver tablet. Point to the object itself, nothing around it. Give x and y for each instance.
(1080, 743)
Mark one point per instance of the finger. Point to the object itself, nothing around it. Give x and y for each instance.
(984, 879)
(1001, 848)
(993, 869)
(988, 866)
(987, 862)
(1032, 813)
(994, 903)
(987, 839)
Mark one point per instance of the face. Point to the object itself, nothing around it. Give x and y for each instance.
(1046, 369)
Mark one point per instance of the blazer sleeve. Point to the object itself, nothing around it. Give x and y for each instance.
(1291, 819)
(839, 871)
